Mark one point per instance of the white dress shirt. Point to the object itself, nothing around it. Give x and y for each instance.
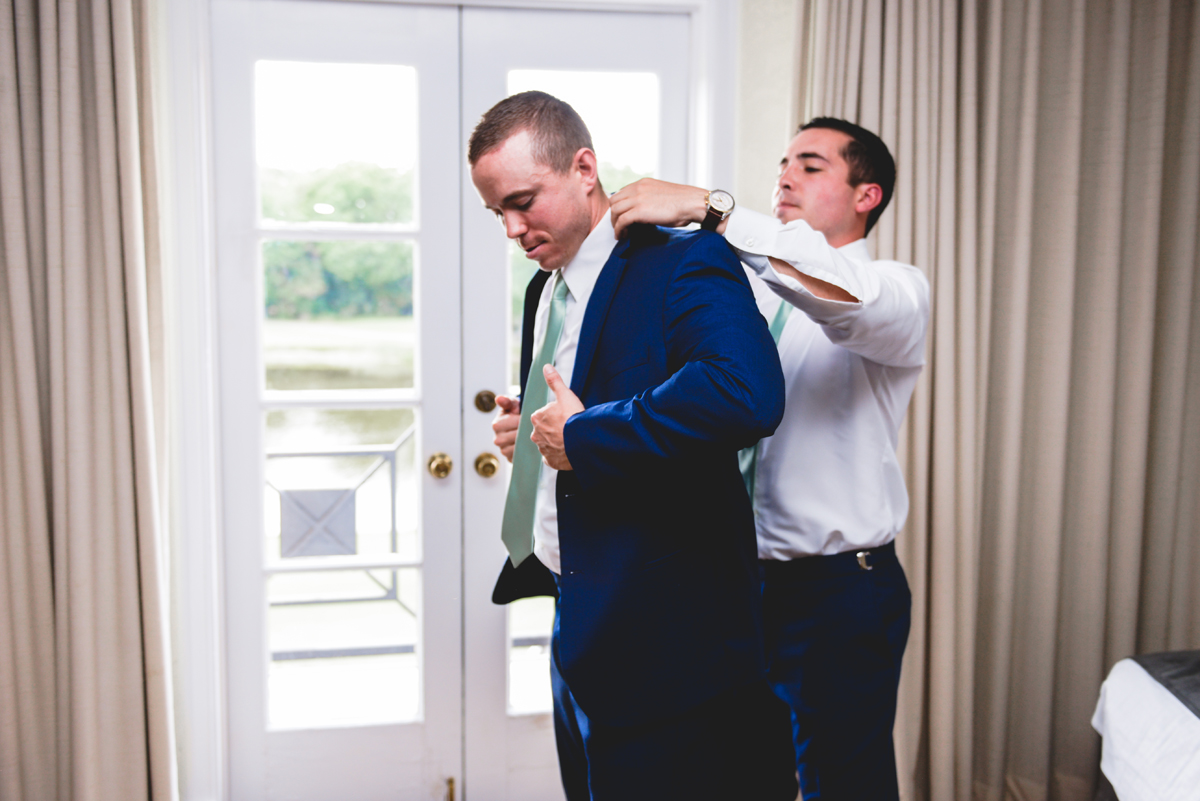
(829, 480)
(580, 275)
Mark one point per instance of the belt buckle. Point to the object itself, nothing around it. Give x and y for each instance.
(862, 560)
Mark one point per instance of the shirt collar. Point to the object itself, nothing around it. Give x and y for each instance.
(858, 250)
(581, 272)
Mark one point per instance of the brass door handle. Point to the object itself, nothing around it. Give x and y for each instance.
(440, 465)
(487, 464)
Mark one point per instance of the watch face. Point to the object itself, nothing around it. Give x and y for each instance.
(720, 201)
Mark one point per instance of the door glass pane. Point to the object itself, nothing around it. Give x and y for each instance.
(530, 621)
(341, 482)
(343, 643)
(606, 101)
(344, 648)
(338, 315)
(336, 143)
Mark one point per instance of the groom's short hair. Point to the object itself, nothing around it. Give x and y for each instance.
(556, 130)
(869, 159)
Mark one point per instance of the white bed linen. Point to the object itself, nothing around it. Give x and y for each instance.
(1151, 749)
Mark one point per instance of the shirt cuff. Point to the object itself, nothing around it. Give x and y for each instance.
(756, 236)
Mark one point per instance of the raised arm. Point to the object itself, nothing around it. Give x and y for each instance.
(886, 323)
(661, 203)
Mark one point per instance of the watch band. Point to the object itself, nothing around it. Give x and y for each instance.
(712, 218)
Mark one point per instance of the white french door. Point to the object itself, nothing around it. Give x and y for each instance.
(365, 300)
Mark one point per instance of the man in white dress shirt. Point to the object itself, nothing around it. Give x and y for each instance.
(828, 491)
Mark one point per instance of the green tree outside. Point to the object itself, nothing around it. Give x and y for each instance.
(307, 280)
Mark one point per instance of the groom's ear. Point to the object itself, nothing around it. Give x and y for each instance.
(588, 169)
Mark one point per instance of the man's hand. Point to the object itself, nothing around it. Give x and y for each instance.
(549, 420)
(506, 424)
(658, 203)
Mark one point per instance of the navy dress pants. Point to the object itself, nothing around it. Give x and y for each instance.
(735, 747)
(835, 634)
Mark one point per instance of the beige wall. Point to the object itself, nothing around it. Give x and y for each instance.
(767, 91)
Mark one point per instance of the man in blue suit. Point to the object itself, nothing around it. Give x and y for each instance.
(631, 506)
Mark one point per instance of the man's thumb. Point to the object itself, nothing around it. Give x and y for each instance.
(554, 381)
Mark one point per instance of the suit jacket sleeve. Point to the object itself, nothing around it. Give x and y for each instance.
(726, 388)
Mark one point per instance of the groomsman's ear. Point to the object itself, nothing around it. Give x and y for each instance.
(866, 197)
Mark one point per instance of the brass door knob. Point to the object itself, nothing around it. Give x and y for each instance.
(486, 464)
(440, 465)
(485, 400)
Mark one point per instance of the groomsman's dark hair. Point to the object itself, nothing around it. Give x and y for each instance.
(869, 159)
(557, 130)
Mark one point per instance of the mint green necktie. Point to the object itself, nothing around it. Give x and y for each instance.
(517, 529)
(748, 457)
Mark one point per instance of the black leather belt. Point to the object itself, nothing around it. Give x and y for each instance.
(837, 564)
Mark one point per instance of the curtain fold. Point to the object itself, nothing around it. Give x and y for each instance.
(84, 681)
(1048, 157)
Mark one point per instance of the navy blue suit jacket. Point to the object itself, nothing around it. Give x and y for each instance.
(659, 606)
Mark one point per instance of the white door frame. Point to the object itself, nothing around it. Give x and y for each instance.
(182, 56)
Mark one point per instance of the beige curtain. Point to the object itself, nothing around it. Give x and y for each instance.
(84, 685)
(1049, 185)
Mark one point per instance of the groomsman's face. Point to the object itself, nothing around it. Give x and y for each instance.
(545, 212)
(814, 186)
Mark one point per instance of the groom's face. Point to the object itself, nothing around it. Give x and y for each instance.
(544, 211)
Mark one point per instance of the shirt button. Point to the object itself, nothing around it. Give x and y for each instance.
(749, 241)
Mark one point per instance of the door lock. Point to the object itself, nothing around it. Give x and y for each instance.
(486, 464)
(440, 465)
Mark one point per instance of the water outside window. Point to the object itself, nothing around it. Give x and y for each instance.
(606, 101)
(339, 315)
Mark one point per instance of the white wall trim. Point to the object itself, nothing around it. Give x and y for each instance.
(767, 108)
(194, 492)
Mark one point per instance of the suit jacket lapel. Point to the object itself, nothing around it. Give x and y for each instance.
(533, 294)
(594, 316)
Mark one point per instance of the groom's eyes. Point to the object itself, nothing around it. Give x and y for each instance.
(519, 203)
